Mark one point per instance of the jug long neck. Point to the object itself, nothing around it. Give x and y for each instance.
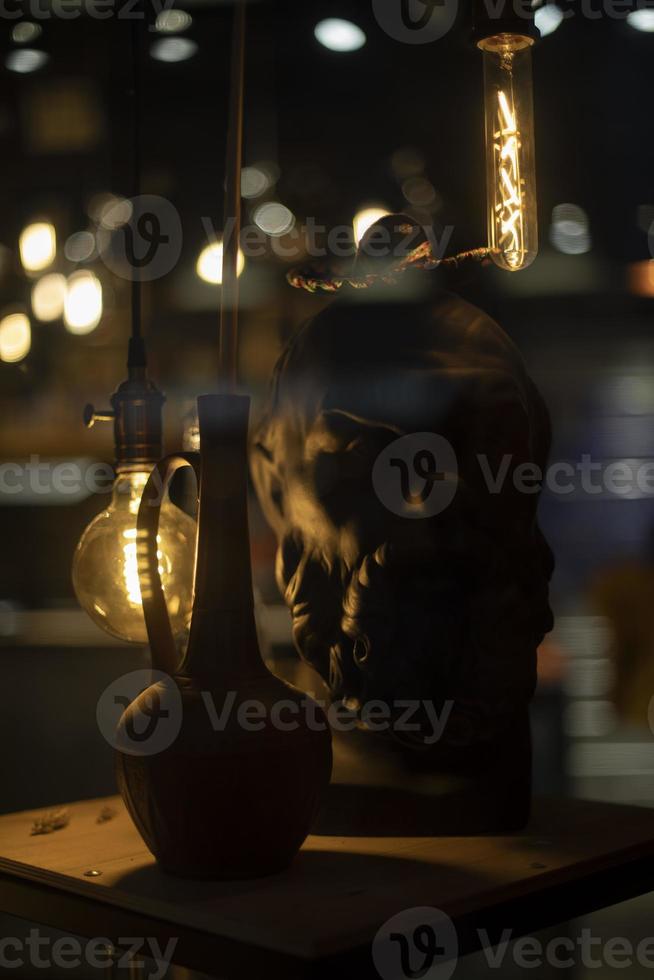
(223, 642)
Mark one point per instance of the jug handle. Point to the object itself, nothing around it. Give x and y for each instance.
(157, 622)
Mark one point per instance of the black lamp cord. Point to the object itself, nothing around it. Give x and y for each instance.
(136, 358)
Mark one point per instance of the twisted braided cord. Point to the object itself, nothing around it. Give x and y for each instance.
(420, 257)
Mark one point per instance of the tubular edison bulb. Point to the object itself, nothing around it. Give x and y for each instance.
(510, 168)
(106, 563)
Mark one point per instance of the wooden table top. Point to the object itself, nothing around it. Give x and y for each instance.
(574, 856)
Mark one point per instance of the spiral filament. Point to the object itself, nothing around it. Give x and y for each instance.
(510, 172)
(509, 210)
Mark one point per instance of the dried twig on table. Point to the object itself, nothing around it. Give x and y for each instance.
(49, 822)
(106, 813)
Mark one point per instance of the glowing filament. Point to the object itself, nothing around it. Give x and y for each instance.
(510, 175)
(509, 215)
(131, 567)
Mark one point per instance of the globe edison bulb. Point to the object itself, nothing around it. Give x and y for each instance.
(510, 165)
(106, 563)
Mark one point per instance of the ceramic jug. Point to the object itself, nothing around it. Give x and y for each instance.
(235, 792)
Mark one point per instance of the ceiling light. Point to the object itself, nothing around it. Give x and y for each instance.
(548, 18)
(15, 338)
(37, 246)
(339, 35)
(642, 20)
(25, 60)
(79, 246)
(570, 233)
(48, 296)
(209, 266)
(172, 21)
(25, 32)
(253, 182)
(83, 303)
(110, 211)
(170, 49)
(274, 218)
(364, 219)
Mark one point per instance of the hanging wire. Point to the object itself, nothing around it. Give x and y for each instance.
(136, 357)
(228, 349)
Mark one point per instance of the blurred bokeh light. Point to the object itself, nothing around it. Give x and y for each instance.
(209, 265)
(365, 218)
(48, 296)
(15, 337)
(38, 246)
(339, 35)
(83, 302)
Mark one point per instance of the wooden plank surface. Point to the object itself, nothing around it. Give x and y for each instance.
(340, 889)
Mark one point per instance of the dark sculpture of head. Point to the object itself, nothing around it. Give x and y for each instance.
(450, 607)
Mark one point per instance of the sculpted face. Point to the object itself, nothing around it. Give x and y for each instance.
(450, 607)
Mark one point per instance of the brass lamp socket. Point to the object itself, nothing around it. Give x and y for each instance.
(136, 411)
(508, 17)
